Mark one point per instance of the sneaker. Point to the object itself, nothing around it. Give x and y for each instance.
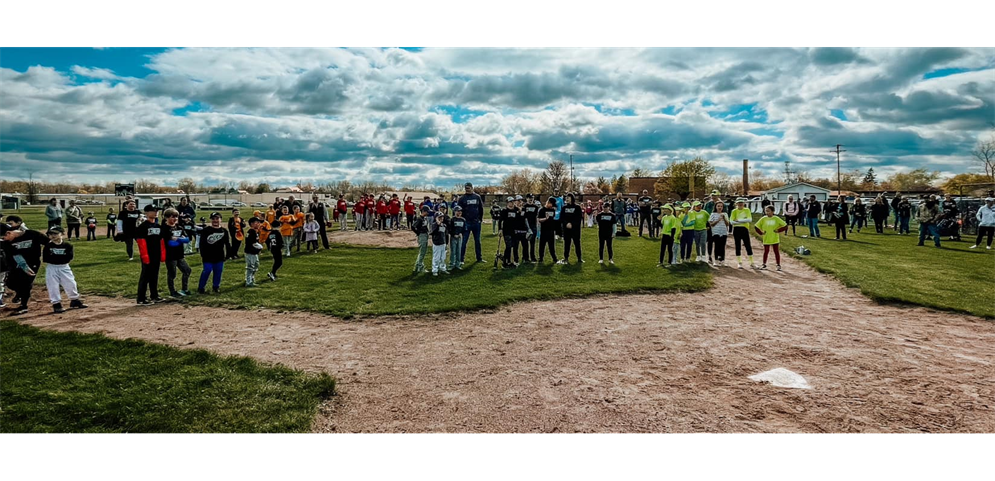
(184, 293)
(144, 302)
(201, 291)
(131, 258)
(740, 265)
(21, 310)
(975, 246)
(436, 274)
(174, 295)
(610, 261)
(763, 267)
(988, 248)
(57, 307)
(77, 304)
(601, 261)
(216, 289)
(561, 262)
(779, 267)
(158, 299)
(660, 265)
(580, 260)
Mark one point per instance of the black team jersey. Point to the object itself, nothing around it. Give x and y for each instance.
(606, 224)
(251, 237)
(129, 223)
(531, 212)
(29, 246)
(151, 242)
(214, 242)
(172, 234)
(59, 254)
(275, 240)
(456, 226)
(571, 214)
(550, 225)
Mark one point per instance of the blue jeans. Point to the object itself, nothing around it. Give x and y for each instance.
(209, 267)
(904, 222)
(473, 227)
(455, 250)
(813, 227)
(932, 230)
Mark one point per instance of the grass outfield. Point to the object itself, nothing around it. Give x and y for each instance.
(352, 281)
(890, 267)
(70, 382)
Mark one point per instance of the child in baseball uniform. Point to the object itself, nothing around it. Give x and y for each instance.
(57, 254)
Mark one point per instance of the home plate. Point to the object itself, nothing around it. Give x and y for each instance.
(782, 377)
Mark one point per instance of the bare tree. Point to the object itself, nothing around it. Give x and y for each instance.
(985, 153)
(554, 177)
(187, 185)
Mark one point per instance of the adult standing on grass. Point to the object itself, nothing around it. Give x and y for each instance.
(547, 230)
(74, 218)
(317, 208)
(127, 227)
(858, 215)
(879, 214)
(895, 202)
(814, 209)
(473, 211)
(904, 215)
(186, 208)
(645, 205)
(713, 198)
(531, 211)
(841, 216)
(236, 232)
(571, 219)
(606, 234)
(791, 212)
(928, 214)
(53, 212)
(618, 208)
(986, 223)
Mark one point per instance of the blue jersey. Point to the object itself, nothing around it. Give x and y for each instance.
(559, 206)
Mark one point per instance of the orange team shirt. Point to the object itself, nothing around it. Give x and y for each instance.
(287, 225)
(264, 229)
(299, 220)
(270, 215)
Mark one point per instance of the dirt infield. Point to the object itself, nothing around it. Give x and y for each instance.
(616, 363)
(376, 238)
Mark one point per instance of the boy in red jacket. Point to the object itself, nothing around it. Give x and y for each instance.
(370, 211)
(357, 213)
(394, 210)
(409, 210)
(152, 248)
(381, 213)
(341, 208)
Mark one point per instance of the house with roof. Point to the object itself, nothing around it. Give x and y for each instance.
(798, 190)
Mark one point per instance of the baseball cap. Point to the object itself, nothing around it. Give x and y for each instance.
(149, 208)
(715, 193)
(695, 203)
(457, 208)
(686, 205)
(740, 200)
(989, 199)
(425, 208)
(511, 199)
(668, 207)
(55, 230)
(518, 197)
(215, 214)
(467, 185)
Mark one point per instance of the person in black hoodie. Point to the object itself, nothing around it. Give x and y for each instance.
(457, 226)
(420, 227)
(522, 229)
(606, 233)
(23, 251)
(127, 225)
(152, 249)
(439, 232)
(176, 240)
(879, 214)
(813, 217)
(858, 215)
(274, 241)
(510, 216)
(570, 218)
(841, 216)
(214, 244)
(531, 210)
(547, 230)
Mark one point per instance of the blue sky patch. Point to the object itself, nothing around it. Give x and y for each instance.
(191, 107)
(946, 72)
(838, 113)
(741, 113)
(459, 113)
(126, 62)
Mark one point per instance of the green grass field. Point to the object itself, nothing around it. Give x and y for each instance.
(69, 382)
(352, 281)
(891, 268)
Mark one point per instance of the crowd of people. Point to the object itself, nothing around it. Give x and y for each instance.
(697, 229)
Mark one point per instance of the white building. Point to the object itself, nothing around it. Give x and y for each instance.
(798, 190)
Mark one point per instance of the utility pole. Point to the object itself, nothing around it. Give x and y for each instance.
(839, 179)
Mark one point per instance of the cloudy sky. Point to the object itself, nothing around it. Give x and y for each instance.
(443, 116)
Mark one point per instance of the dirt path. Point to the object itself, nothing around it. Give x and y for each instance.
(376, 238)
(617, 363)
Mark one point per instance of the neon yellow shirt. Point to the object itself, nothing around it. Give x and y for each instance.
(670, 223)
(700, 219)
(687, 222)
(769, 226)
(741, 215)
(677, 224)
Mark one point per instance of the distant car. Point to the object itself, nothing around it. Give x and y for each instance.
(239, 204)
(204, 205)
(259, 204)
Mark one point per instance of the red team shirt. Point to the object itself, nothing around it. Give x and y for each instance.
(358, 207)
(409, 207)
(381, 207)
(395, 206)
(343, 206)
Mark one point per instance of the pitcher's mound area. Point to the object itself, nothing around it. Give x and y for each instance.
(377, 238)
